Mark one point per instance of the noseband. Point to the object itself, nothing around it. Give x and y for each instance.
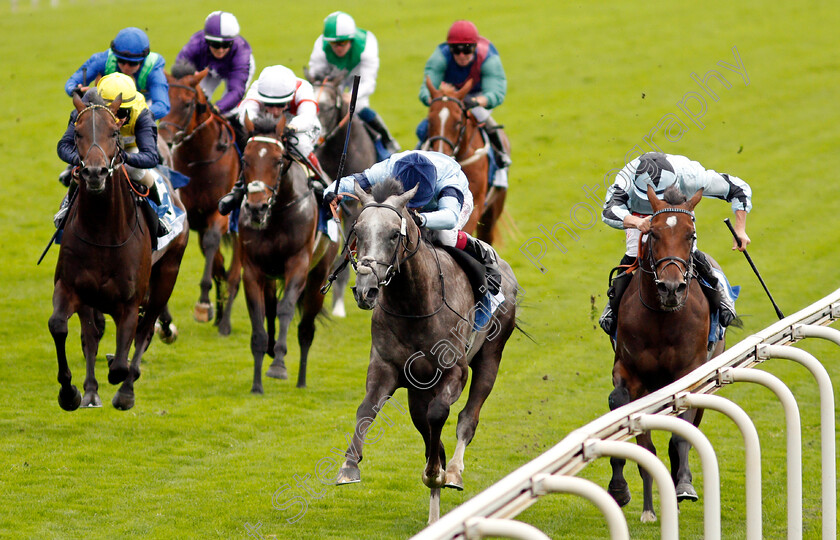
(393, 266)
(687, 266)
(256, 186)
(455, 146)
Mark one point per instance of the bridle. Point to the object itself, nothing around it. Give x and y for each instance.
(687, 268)
(461, 126)
(195, 109)
(256, 186)
(338, 102)
(392, 266)
(116, 159)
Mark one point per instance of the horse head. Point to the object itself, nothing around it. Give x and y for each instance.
(264, 162)
(187, 103)
(97, 132)
(447, 118)
(670, 243)
(331, 105)
(384, 233)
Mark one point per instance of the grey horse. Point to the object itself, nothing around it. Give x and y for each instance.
(422, 334)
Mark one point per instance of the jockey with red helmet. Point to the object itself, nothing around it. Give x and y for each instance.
(468, 56)
(129, 54)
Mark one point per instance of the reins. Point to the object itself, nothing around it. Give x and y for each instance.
(647, 257)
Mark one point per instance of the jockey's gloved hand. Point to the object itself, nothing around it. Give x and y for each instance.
(289, 135)
(470, 102)
(419, 219)
(329, 197)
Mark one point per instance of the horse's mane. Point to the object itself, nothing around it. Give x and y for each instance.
(182, 68)
(674, 196)
(388, 188)
(264, 125)
(92, 97)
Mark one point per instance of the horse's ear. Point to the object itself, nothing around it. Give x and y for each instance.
(364, 198)
(169, 78)
(692, 202)
(401, 200)
(115, 105)
(465, 89)
(432, 90)
(655, 203)
(281, 125)
(78, 103)
(200, 75)
(249, 125)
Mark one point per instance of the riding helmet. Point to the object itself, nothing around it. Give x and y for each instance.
(415, 169)
(114, 84)
(131, 44)
(462, 32)
(276, 85)
(221, 26)
(339, 26)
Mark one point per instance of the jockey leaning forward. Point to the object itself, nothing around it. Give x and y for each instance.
(353, 51)
(138, 143)
(627, 207)
(468, 56)
(279, 92)
(443, 203)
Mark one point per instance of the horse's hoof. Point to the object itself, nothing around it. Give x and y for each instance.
(621, 493)
(203, 312)
(224, 329)
(685, 492)
(348, 476)
(69, 398)
(123, 401)
(432, 482)
(91, 401)
(118, 374)
(258, 390)
(277, 372)
(648, 516)
(166, 337)
(454, 483)
(339, 311)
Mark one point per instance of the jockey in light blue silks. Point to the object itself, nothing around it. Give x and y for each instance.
(627, 207)
(443, 202)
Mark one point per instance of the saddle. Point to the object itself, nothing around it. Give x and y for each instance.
(474, 270)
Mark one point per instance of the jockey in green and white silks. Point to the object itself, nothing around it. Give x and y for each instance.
(626, 206)
(353, 51)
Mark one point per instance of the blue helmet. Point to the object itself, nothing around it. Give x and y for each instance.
(131, 44)
(416, 170)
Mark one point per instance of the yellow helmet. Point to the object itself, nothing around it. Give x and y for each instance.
(110, 86)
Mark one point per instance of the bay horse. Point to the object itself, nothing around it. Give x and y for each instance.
(333, 113)
(455, 132)
(663, 334)
(278, 239)
(422, 336)
(203, 148)
(106, 264)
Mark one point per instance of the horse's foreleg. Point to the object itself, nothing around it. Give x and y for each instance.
(678, 449)
(64, 305)
(381, 382)
(210, 240)
(90, 346)
(270, 296)
(618, 485)
(648, 514)
(296, 269)
(126, 323)
(254, 285)
(451, 386)
(434, 505)
(234, 277)
(312, 303)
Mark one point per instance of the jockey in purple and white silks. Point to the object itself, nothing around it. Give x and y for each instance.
(626, 206)
(443, 202)
(468, 56)
(354, 51)
(228, 56)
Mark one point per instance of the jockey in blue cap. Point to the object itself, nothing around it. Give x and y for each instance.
(129, 54)
(443, 202)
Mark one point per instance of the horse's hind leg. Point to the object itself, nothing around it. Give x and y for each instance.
(312, 303)
(93, 326)
(165, 330)
(678, 449)
(210, 240)
(451, 385)
(234, 277)
(618, 485)
(64, 305)
(648, 514)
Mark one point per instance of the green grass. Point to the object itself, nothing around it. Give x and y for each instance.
(198, 456)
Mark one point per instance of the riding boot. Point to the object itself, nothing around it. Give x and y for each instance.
(479, 251)
(233, 199)
(65, 206)
(66, 176)
(154, 196)
(492, 129)
(152, 221)
(379, 127)
(718, 296)
(609, 318)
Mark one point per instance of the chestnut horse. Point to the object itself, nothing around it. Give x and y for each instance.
(422, 335)
(106, 263)
(278, 239)
(455, 132)
(663, 334)
(361, 154)
(203, 148)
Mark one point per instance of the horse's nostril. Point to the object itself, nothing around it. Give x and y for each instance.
(662, 288)
(372, 293)
(681, 288)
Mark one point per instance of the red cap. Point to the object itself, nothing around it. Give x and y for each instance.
(462, 32)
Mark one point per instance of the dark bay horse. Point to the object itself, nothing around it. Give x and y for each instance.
(361, 154)
(278, 239)
(455, 132)
(203, 148)
(106, 264)
(422, 336)
(663, 334)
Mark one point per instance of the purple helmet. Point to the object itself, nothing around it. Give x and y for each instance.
(221, 26)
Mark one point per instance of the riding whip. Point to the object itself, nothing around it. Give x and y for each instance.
(749, 260)
(353, 95)
(60, 227)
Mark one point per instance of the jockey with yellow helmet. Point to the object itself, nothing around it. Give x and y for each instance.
(129, 54)
(138, 137)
